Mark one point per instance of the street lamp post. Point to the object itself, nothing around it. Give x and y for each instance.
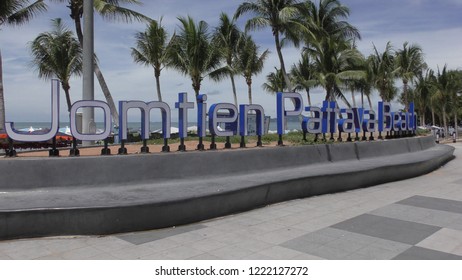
(88, 114)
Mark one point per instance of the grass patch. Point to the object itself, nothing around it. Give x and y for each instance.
(294, 138)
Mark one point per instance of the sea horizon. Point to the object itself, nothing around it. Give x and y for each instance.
(136, 126)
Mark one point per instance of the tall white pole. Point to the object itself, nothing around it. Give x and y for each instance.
(88, 114)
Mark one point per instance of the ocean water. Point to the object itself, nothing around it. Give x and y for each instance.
(136, 126)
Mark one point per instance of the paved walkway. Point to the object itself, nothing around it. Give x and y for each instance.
(419, 218)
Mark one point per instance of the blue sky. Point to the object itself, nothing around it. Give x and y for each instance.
(435, 25)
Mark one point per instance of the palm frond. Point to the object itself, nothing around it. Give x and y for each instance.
(15, 12)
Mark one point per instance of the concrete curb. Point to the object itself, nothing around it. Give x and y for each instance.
(128, 193)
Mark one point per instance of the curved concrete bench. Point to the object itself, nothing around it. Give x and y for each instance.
(103, 195)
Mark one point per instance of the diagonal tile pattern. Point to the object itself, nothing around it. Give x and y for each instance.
(388, 228)
(149, 236)
(419, 253)
(434, 203)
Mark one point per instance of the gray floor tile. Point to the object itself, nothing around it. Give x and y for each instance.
(388, 228)
(207, 245)
(458, 182)
(434, 203)
(81, 253)
(301, 246)
(393, 246)
(332, 243)
(346, 245)
(418, 215)
(4, 257)
(456, 224)
(329, 253)
(182, 253)
(418, 253)
(138, 238)
(310, 242)
(375, 252)
(446, 240)
(205, 256)
(232, 252)
(280, 253)
(280, 236)
(357, 256)
(29, 253)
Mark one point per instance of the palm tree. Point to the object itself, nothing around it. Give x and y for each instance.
(365, 84)
(283, 18)
(324, 19)
(383, 72)
(424, 88)
(456, 90)
(15, 12)
(275, 82)
(226, 37)
(152, 49)
(58, 53)
(249, 62)
(109, 10)
(193, 53)
(445, 88)
(336, 61)
(303, 75)
(330, 44)
(409, 63)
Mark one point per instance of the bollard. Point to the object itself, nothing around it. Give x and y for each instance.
(11, 152)
(228, 143)
(280, 142)
(200, 146)
(165, 147)
(144, 148)
(74, 152)
(53, 152)
(106, 151)
(349, 137)
(213, 145)
(182, 146)
(259, 143)
(242, 143)
(122, 150)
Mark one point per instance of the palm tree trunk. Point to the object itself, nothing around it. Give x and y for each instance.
(233, 84)
(362, 99)
(308, 96)
(444, 122)
(433, 115)
(327, 94)
(66, 88)
(159, 95)
(99, 76)
(281, 60)
(249, 85)
(423, 119)
(196, 86)
(455, 124)
(405, 95)
(369, 100)
(353, 99)
(2, 99)
(107, 95)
